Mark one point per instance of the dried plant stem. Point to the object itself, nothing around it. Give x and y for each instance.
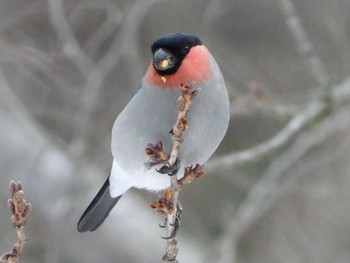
(20, 210)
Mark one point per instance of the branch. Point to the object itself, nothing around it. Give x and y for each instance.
(20, 210)
(70, 44)
(243, 106)
(95, 73)
(169, 204)
(313, 112)
(297, 124)
(184, 103)
(21, 115)
(305, 47)
(275, 181)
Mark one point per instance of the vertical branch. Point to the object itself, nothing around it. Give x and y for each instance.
(20, 210)
(184, 103)
(304, 45)
(169, 204)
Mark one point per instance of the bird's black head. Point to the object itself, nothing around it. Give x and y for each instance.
(170, 50)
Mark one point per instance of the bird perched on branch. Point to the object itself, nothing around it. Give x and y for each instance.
(178, 59)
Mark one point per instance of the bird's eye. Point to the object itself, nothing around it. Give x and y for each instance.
(166, 63)
(163, 59)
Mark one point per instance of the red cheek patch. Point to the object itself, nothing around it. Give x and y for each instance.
(196, 67)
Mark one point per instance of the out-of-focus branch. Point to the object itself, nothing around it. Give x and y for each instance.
(122, 40)
(21, 115)
(274, 182)
(94, 73)
(305, 47)
(243, 106)
(70, 44)
(20, 210)
(114, 17)
(280, 140)
(341, 93)
(301, 120)
(314, 111)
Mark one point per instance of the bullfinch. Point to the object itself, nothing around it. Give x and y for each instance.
(178, 59)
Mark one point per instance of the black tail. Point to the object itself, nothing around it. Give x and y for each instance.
(98, 210)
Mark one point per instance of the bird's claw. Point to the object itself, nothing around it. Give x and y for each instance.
(177, 223)
(163, 226)
(170, 169)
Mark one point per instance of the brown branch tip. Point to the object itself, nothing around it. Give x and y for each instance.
(20, 210)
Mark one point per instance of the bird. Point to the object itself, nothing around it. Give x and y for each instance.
(177, 59)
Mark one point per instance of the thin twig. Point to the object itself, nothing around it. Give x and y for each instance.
(275, 181)
(314, 111)
(305, 47)
(245, 105)
(184, 103)
(95, 73)
(70, 44)
(169, 204)
(20, 210)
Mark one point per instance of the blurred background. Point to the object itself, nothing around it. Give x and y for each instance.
(277, 190)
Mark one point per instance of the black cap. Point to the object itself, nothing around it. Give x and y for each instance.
(174, 47)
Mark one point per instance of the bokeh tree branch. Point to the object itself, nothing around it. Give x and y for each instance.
(68, 67)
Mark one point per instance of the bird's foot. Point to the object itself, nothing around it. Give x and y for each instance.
(165, 206)
(177, 222)
(170, 169)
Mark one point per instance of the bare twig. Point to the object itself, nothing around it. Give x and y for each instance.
(20, 114)
(70, 44)
(315, 110)
(20, 210)
(169, 204)
(244, 105)
(184, 103)
(95, 73)
(274, 182)
(296, 125)
(305, 47)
